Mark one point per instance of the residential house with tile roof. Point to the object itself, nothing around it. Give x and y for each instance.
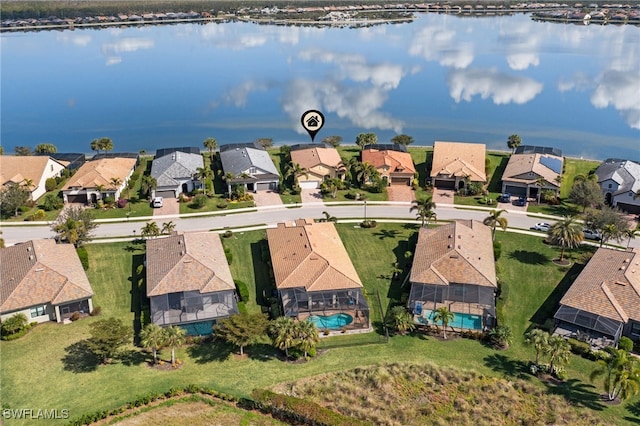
(189, 282)
(94, 180)
(528, 174)
(31, 170)
(314, 274)
(394, 164)
(604, 300)
(455, 162)
(322, 162)
(175, 173)
(251, 166)
(620, 182)
(453, 266)
(43, 280)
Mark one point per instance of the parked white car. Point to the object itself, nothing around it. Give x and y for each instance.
(541, 226)
(591, 235)
(157, 202)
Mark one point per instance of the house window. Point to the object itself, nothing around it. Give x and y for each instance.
(609, 185)
(253, 171)
(635, 329)
(38, 311)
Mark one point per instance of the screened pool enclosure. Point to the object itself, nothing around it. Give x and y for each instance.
(191, 306)
(298, 303)
(573, 319)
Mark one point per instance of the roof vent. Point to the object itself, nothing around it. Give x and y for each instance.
(30, 257)
(181, 253)
(28, 248)
(459, 236)
(626, 260)
(622, 268)
(454, 256)
(621, 283)
(449, 246)
(459, 246)
(39, 269)
(450, 236)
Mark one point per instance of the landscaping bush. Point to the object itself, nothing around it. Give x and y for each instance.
(228, 255)
(97, 310)
(122, 203)
(578, 347)
(75, 316)
(18, 334)
(352, 195)
(51, 202)
(625, 343)
(222, 204)
(83, 255)
(368, 224)
(109, 201)
(200, 201)
(497, 250)
(243, 290)
(228, 233)
(14, 324)
(50, 184)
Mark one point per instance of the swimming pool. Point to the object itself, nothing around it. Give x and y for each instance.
(331, 322)
(467, 321)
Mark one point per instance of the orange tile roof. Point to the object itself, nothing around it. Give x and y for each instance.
(312, 157)
(100, 172)
(459, 159)
(39, 272)
(609, 285)
(460, 252)
(394, 161)
(187, 262)
(16, 169)
(310, 255)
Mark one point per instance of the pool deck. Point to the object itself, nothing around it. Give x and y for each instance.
(360, 321)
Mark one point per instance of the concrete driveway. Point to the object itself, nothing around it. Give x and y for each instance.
(311, 196)
(443, 196)
(267, 198)
(169, 206)
(401, 193)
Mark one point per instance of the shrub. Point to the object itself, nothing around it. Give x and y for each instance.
(222, 204)
(200, 201)
(83, 255)
(242, 308)
(97, 310)
(243, 290)
(352, 195)
(228, 233)
(14, 324)
(497, 250)
(368, 224)
(625, 343)
(50, 184)
(75, 316)
(122, 203)
(109, 201)
(578, 347)
(51, 202)
(228, 255)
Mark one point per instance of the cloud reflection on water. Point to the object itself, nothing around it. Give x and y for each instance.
(502, 88)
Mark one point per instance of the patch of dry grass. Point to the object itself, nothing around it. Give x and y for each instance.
(412, 394)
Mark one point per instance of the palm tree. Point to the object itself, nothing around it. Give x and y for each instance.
(174, 337)
(494, 219)
(153, 336)
(501, 336)
(168, 227)
(148, 184)
(211, 144)
(559, 352)
(444, 315)
(295, 170)
(365, 172)
(621, 374)
(567, 233)
(513, 142)
(228, 178)
(151, 229)
(632, 234)
(307, 336)
(283, 333)
(539, 339)
(203, 174)
(69, 230)
(399, 319)
(329, 218)
(425, 209)
(540, 182)
(115, 181)
(100, 189)
(27, 184)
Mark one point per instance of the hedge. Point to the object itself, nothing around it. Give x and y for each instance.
(84, 257)
(243, 290)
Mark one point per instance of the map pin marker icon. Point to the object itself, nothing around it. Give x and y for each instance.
(312, 121)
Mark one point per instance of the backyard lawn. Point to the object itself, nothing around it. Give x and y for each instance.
(61, 376)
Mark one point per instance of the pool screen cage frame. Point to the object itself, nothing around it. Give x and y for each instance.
(430, 295)
(297, 300)
(589, 322)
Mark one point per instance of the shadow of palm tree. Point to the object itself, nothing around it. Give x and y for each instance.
(578, 393)
(79, 359)
(263, 352)
(133, 357)
(635, 409)
(387, 233)
(204, 353)
(529, 257)
(512, 368)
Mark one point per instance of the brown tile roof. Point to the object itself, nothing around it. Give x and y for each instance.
(460, 252)
(310, 255)
(459, 159)
(100, 172)
(39, 272)
(522, 164)
(608, 286)
(16, 169)
(311, 157)
(187, 262)
(394, 161)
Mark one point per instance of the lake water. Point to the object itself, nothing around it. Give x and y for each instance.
(441, 77)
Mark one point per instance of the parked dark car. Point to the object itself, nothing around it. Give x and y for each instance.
(504, 197)
(521, 201)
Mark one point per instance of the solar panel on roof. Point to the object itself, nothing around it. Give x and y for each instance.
(552, 163)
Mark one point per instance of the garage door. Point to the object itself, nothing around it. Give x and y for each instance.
(166, 194)
(628, 208)
(518, 191)
(445, 184)
(400, 181)
(309, 184)
(263, 186)
(80, 199)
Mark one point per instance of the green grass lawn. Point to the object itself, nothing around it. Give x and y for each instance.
(214, 204)
(42, 369)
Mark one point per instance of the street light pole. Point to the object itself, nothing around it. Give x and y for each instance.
(365, 211)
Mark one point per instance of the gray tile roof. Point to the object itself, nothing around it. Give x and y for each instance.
(240, 157)
(174, 166)
(625, 172)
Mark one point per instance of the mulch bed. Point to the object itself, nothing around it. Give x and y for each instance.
(164, 365)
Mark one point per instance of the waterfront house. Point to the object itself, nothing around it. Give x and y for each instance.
(250, 165)
(189, 282)
(322, 163)
(531, 170)
(175, 171)
(31, 172)
(603, 302)
(620, 182)
(392, 161)
(43, 280)
(98, 179)
(315, 277)
(454, 267)
(455, 162)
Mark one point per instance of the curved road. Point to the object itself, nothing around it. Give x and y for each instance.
(272, 215)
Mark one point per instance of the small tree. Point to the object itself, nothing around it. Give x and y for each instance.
(242, 329)
(14, 324)
(22, 150)
(501, 336)
(153, 336)
(74, 225)
(265, 142)
(282, 332)
(307, 336)
(494, 219)
(12, 197)
(45, 148)
(425, 208)
(364, 139)
(559, 352)
(621, 374)
(148, 185)
(51, 202)
(107, 338)
(150, 230)
(211, 144)
(174, 336)
(334, 141)
(168, 227)
(513, 142)
(586, 193)
(567, 234)
(539, 339)
(445, 316)
(402, 139)
(399, 319)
